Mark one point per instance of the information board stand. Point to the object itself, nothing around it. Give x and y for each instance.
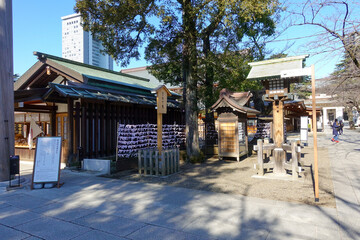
(47, 161)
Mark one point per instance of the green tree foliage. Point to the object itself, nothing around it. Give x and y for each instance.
(187, 41)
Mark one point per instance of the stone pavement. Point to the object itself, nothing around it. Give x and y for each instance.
(89, 207)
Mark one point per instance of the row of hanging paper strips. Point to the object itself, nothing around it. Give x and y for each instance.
(131, 138)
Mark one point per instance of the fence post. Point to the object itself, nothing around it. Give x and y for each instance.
(162, 163)
(170, 161)
(260, 157)
(167, 162)
(177, 159)
(145, 162)
(173, 160)
(294, 165)
(151, 161)
(157, 162)
(139, 161)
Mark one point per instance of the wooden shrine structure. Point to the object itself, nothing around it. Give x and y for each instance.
(232, 109)
(83, 104)
(276, 75)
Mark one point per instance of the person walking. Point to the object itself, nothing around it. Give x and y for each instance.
(335, 127)
(341, 126)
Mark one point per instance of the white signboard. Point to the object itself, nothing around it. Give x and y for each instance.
(304, 128)
(47, 160)
(303, 135)
(296, 72)
(304, 122)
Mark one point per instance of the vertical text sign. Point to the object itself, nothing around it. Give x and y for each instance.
(161, 100)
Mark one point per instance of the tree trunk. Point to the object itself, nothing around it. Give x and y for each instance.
(209, 85)
(189, 62)
(6, 89)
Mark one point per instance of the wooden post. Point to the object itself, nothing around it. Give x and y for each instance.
(117, 142)
(145, 162)
(6, 89)
(150, 162)
(278, 116)
(279, 154)
(52, 121)
(176, 159)
(83, 129)
(159, 131)
(260, 157)
(70, 130)
(107, 129)
(294, 155)
(102, 130)
(96, 133)
(267, 152)
(167, 157)
(90, 129)
(161, 102)
(139, 160)
(316, 174)
(156, 163)
(162, 163)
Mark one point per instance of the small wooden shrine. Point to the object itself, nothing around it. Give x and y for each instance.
(233, 109)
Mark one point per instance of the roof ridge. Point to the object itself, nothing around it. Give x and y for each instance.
(45, 55)
(279, 60)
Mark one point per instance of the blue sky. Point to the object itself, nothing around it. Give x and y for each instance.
(37, 27)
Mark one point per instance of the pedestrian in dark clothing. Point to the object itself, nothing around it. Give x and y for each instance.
(341, 125)
(335, 128)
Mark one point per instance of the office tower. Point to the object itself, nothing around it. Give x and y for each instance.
(79, 45)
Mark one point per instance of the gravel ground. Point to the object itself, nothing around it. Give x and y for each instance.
(230, 176)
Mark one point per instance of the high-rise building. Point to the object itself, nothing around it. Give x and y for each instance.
(79, 45)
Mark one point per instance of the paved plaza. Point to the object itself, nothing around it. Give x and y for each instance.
(90, 207)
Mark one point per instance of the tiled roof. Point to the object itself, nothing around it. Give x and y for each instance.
(90, 92)
(271, 69)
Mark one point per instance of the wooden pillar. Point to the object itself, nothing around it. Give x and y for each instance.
(53, 122)
(102, 130)
(260, 159)
(113, 127)
(108, 127)
(90, 129)
(278, 116)
(159, 131)
(7, 134)
(70, 130)
(83, 129)
(77, 127)
(96, 130)
(278, 128)
(117, 115)
(279, 155)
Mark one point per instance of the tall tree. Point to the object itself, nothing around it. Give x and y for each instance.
(338, 23)
(181, 38)
(344, 86)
